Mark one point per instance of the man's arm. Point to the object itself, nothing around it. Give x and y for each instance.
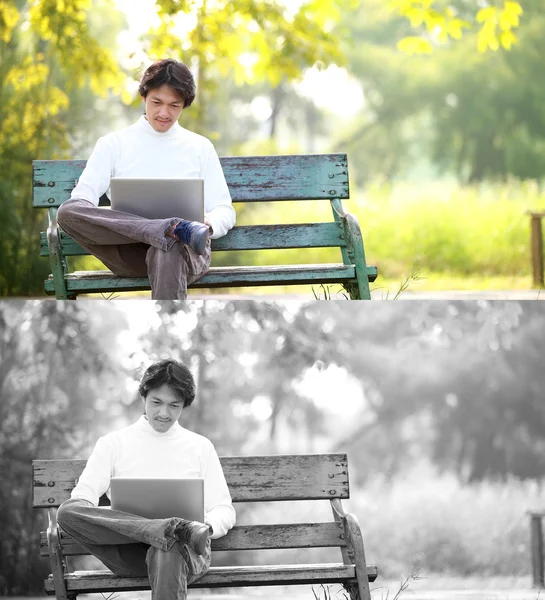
(95, 479)
(218, 511)
(218, 207)
(95, 179)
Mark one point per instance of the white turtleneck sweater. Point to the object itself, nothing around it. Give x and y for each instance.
(140, 451)
(140, 151)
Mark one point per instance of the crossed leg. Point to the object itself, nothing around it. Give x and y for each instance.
(135, 546)
(132, 246)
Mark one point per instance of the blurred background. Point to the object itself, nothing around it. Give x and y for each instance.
(440, 409)
(446, 150)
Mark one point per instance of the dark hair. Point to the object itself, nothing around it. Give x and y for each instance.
(172, 373)
(172, 73)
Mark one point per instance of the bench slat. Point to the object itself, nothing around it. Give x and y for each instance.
(253, 237)
(250, 478)
(247, 537)
(88, 282)
(250, 178)
(105, 581)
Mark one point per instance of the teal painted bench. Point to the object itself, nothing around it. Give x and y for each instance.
(250, 479)
(250, 179)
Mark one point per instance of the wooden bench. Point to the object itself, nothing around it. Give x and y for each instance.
(250, 479)
(250, 179)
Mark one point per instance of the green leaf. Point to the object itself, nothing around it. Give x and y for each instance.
(415, 45)
(507, 39)
(486, 14)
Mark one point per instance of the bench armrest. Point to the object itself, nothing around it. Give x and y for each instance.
(354, 546)
(354, 252)
(57, 260)
(56, 557)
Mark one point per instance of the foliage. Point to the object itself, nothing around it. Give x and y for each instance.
(474, 407)
(245, 42)
(48, 55)
(443, 22)
(475, 116)
(258, 351)
(55, 366)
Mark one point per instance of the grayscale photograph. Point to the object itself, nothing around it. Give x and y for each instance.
(271, 448)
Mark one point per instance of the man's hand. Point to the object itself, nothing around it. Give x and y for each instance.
(207, 222)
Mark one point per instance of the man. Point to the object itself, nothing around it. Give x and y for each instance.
(172, 252)
(171, 552)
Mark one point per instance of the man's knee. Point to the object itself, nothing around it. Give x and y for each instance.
(171, 559)
(169, 263)
(68, 511)
(67, 210)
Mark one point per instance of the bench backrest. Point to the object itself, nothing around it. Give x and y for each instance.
(250, 479)
(250, 178)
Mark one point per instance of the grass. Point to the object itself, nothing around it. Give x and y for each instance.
(445, 228)
(443, 526)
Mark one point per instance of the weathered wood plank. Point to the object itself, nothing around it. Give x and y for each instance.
(87, 282)
(250, 478)
(254, 237)
(106, 581)
(248, 537)
(250, 178)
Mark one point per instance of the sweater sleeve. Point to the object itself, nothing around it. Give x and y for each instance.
(218, 206)
(218, 508)
(95, 479)
(95, 179)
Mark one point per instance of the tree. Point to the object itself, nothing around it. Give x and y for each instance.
(48, 52)
(249, 42)
(495, 22)
(458, 383)
(475, 115)
(247, 359)
(58, 364)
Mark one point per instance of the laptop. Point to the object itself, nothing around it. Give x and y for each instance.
(159, 498)
(159, 198)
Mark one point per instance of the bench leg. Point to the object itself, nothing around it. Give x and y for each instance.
(57, 260)
(354, 552)
(353, 253)
(56, 558)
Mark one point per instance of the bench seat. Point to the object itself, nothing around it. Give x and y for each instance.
(87, 582)
(87, 282)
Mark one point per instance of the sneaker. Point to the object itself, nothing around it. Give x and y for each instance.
(192, 234)
(194, 534)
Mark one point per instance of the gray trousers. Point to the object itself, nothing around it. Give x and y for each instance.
(132, 546)
(132, 246)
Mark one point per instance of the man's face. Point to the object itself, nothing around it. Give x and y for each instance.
(163, 107)
(163, 408)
